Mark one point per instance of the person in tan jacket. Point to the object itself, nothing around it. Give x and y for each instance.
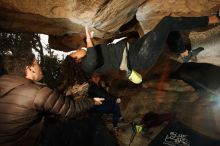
(24, 102)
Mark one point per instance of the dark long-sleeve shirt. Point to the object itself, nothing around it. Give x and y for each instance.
(98, 91)
(102, 58)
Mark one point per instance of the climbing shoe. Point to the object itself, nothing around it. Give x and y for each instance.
(191, 54)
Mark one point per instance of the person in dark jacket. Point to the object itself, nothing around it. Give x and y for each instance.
(140, 54)
(24, 102)
(110, 105)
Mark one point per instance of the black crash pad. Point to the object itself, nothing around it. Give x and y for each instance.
(178, 134)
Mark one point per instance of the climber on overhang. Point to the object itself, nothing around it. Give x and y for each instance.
(139, 55)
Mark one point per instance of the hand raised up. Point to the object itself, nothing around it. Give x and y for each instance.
(89, 35)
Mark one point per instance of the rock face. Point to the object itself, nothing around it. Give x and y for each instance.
(105, 17)
(152, 11)
(64, 20)
(196, 107)
(172, 96)
(210, 40)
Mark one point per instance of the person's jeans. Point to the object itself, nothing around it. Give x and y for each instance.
(144, 52)
(109, 106)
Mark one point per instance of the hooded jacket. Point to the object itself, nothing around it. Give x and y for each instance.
(23, 106)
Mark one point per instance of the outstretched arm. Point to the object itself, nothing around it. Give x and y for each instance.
(82, 52)
(51, 102)
(89, 36)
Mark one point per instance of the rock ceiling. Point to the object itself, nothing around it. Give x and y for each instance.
(65, 19)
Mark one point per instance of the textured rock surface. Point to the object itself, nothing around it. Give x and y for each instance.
(106, 16)
(152, 11)
(171, 97)
(103, 16)
(210, 40)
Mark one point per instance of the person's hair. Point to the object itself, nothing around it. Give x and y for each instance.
(15, 65)
(73, 73)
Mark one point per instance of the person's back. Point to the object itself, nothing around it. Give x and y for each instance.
(98, 59)
(19, 118)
